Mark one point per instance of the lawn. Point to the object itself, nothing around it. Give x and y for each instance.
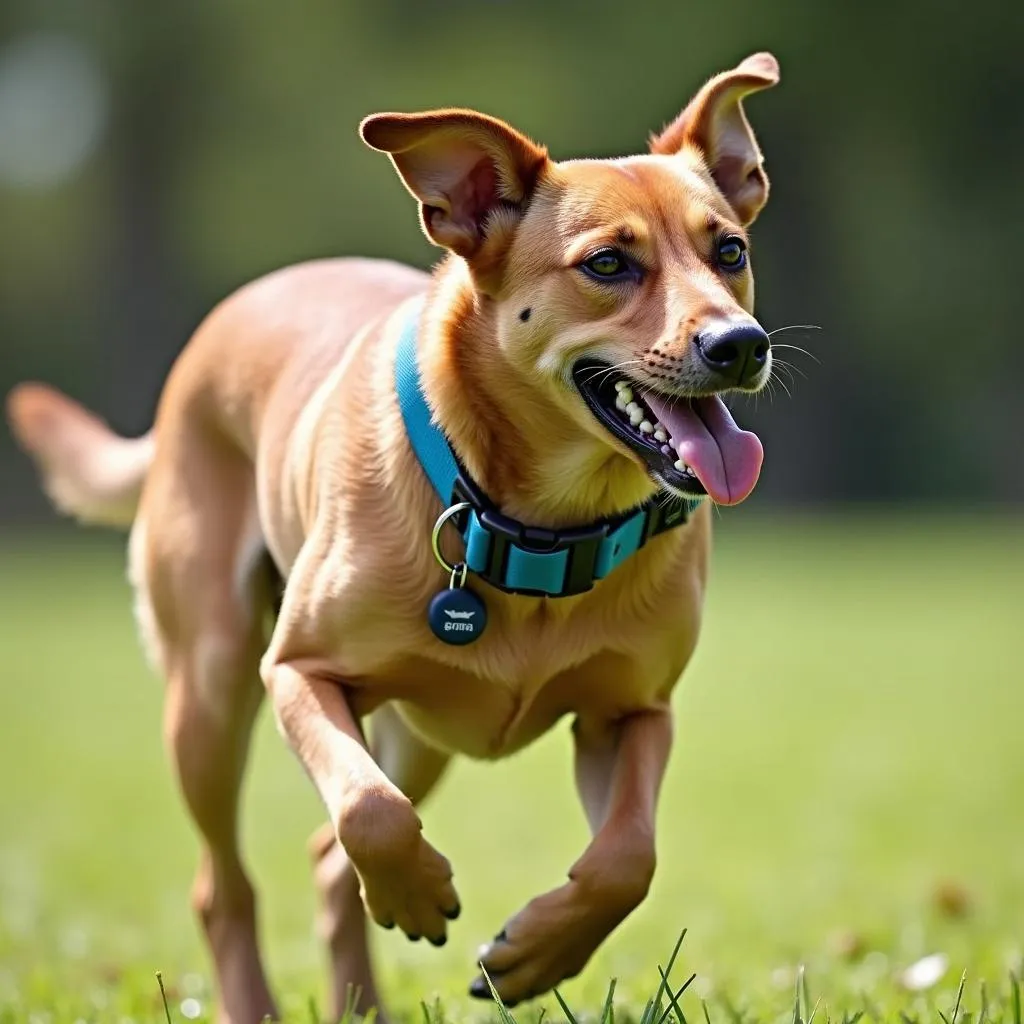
(847, 794)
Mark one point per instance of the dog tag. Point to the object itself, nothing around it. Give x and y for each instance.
(456, 615)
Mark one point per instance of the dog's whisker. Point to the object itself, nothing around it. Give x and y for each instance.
(605, 371)
(780, 366)
(797, 348)
(647, 389)
(782, 384)
(790, 367)
(795, 327)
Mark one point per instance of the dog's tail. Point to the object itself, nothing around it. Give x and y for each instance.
(88, 471)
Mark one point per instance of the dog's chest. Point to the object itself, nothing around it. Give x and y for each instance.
(494, 696)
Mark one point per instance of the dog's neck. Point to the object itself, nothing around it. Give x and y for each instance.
(533, 460)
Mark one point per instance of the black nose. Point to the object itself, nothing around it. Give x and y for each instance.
(738, 352)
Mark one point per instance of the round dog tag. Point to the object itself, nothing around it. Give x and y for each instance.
(456, 615)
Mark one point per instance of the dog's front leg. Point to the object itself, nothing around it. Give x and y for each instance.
(619, 769)
(404, 881)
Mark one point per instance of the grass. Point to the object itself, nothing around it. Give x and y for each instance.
(846, 798)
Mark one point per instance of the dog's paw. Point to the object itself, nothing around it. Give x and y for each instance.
(548, 941)
(414, 892)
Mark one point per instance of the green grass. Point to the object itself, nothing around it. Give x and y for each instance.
(849, 769)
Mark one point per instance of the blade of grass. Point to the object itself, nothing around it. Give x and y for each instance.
(664, 986)
(163, 996)
(352, 994)
(959, 995)
(608, 1013)
(565, 1009)
(674, 999)
(814, 1010)
(805, 991)
(506, 1017)
(1015, 997)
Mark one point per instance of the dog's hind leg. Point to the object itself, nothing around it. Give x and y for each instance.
(202, 590)
(415, 768)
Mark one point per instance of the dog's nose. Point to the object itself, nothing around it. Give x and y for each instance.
(738, 352)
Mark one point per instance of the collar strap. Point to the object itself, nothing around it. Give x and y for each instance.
(515, 558)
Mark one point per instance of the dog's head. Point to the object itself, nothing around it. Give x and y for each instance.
(621, 289)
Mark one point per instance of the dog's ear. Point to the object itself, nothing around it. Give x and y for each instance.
(715, 124)
(462, 166)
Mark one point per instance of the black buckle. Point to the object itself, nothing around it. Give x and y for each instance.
(581, 542)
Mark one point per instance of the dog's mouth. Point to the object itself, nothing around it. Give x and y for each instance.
(691, 445)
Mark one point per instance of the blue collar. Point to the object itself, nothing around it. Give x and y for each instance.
(510, 556)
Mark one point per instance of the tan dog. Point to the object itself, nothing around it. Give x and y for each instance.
(572, 346)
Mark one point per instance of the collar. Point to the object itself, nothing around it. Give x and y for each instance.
(507, 554)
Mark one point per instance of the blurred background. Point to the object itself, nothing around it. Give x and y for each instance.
(855, 759)
(155, 157)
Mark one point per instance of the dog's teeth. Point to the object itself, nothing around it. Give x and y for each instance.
(620, 403)
(631, 406)
(620, 384)
(678, 465)
(659, 433)
(636, 417)
(665, 450)
(645, 427)
(627, 393)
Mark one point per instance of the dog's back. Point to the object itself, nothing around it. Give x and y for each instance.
(272, 342)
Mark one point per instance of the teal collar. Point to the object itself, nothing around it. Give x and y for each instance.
(508, 555)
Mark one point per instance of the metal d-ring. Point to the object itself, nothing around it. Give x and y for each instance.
(435, 542)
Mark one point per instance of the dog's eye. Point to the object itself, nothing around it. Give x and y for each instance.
(732, 253)
(606, 265)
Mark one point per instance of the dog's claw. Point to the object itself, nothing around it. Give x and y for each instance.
(453, 914)
(440, 941)
(501, 936)
(481, 990)
(414, 938)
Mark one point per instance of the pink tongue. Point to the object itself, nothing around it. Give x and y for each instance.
(727, 460)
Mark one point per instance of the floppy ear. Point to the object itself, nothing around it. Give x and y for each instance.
(715, 124)
(462, 166)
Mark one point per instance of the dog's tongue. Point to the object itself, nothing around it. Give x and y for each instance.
(726, 460)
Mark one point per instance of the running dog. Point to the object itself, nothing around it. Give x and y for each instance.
(350, 453)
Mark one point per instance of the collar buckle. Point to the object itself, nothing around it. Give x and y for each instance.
(582, 544)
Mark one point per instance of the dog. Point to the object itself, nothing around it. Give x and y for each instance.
(524, 445)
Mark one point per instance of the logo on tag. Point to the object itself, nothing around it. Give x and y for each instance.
(457, 616)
